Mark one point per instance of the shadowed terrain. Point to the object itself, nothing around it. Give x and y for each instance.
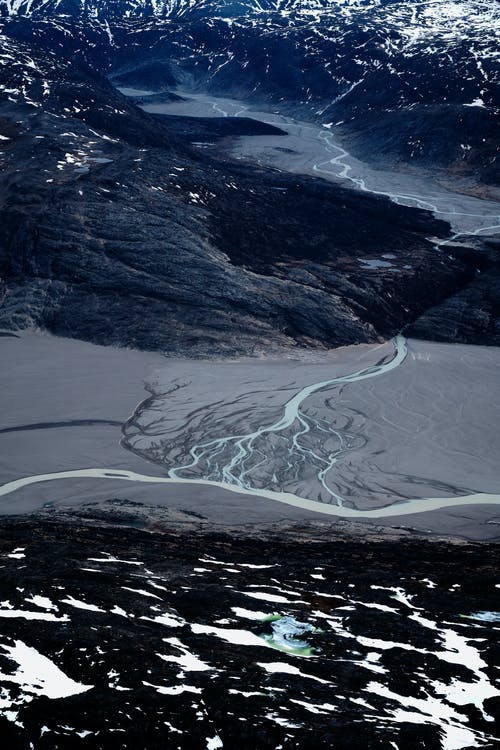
(255, 641)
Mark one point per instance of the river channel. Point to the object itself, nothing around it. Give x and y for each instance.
(292, 449)
(310, 148)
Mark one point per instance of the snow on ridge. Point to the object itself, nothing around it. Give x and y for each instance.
(442, 15)
(413, 24)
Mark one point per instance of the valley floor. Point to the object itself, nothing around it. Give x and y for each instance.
(349, 453)
(309, 148)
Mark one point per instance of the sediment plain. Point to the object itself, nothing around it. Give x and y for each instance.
(422, 429)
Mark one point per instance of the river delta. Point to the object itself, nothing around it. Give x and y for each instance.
(365, 433)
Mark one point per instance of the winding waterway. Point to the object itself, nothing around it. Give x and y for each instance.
(234, 470)
(293, 425)
(406, 508)
(227, 461)
(316, 149)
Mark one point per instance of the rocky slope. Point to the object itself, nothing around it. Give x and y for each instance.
(118, 230)
(471, 316)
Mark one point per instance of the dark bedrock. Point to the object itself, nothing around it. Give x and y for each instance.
(107, 649)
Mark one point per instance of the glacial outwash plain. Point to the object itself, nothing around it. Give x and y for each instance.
(249, 374)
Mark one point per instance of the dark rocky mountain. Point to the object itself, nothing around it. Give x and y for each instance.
(116, 229)
(473, 314)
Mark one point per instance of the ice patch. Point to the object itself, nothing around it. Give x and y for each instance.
(18, 553)
(484, 616)
(173, 690)
(112, 559)
(41, 601)
(237, 637)
(264, 596)
(38, 675)
(78, 604)
(119, 611)
(28, 615)
(170, 620)
(478, 102)
(315, 708)
(282, 667)
(187, 661)
(142, 592)
(249, 614)
(429, 710)
(214, 743)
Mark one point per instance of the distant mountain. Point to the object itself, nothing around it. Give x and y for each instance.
(177, 8)
(409, 82)
(435, 12)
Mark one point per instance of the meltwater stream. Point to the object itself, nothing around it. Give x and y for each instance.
(233, 462)
(292, 425)
(315, 149)
(238, 452)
